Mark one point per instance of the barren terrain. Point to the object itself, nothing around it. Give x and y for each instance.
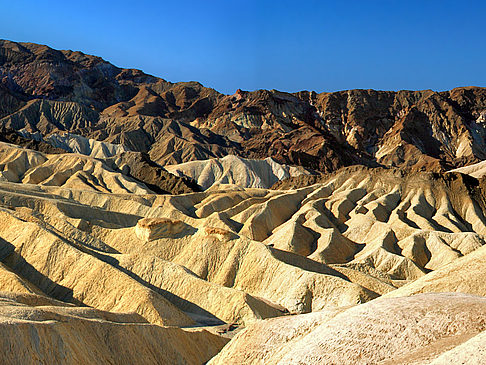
(149, 222)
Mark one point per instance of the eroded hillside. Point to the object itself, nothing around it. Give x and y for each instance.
(46, 91)
(144, 221)
(232, 255)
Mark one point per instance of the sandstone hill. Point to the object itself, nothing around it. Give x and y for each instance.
(48, 92)
(127, 172)
(423, 329)
(236, 170)
(36, 331)
(144, 221)
(232, 256)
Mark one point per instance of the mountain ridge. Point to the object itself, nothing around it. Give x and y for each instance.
(54, 91)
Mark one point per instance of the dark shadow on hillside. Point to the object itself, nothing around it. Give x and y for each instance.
(305, 263)
(21, 267)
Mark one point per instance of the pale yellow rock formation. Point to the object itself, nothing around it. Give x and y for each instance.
(46, 334)
(69, 170)
(476, 170)
(149, 229)
(470, 352)
(75, 274)
(205, 301)
(387, 331)
(464, 275)
(232, 169)
(232, 255)
(11, 282)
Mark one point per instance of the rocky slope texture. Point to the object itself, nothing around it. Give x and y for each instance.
(46, 91)
(38, 331)
(97, 265)
(477, 170)
(424, 329)
(73, 143)
(128, 172)
(236, 170)
(231, 256)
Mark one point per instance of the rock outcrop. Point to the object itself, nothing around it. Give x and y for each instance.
(477, 170)
(45, 333)
(128, 172)
(107, 256)
(236, 170)
(231, 256)
(52, 92)
(423, 329)
(357, 235)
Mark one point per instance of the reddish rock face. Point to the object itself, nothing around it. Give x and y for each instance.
(46, 90)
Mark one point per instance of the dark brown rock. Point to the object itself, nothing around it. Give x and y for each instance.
(50, 91)
(142, 168)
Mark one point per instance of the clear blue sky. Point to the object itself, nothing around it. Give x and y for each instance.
(284, 45)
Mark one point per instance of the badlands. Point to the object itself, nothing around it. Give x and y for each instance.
(87, 252)
(147, 222)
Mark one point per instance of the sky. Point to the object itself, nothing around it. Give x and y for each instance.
(283, 45)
